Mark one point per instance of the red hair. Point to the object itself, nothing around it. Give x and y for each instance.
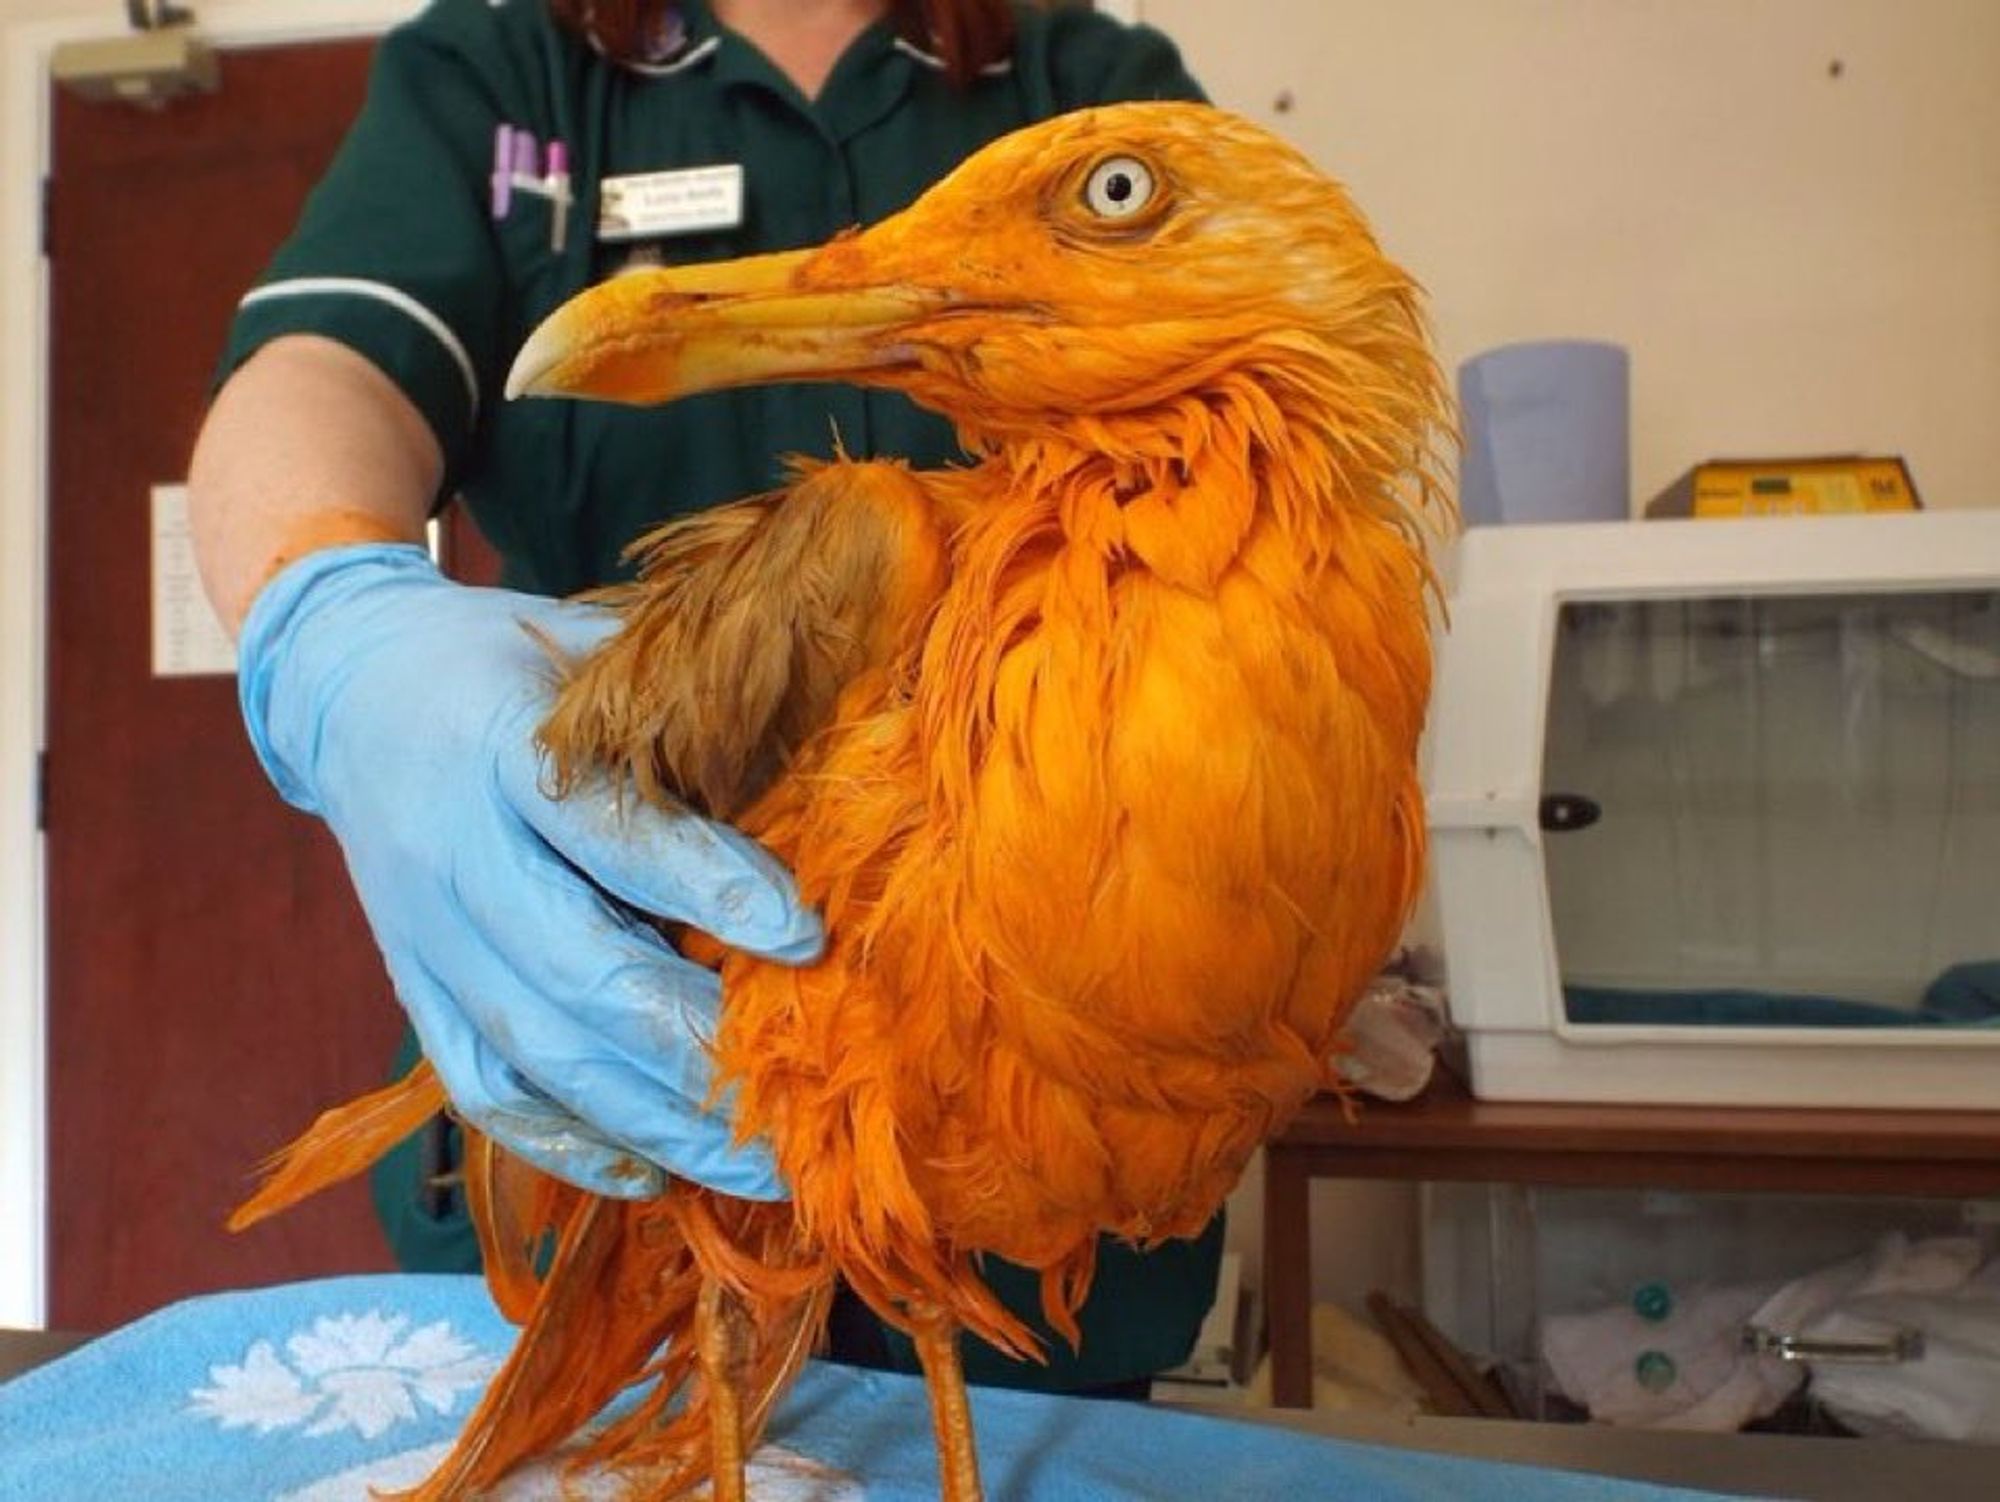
(966, 34)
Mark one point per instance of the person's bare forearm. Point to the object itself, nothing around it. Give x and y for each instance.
(307, 446)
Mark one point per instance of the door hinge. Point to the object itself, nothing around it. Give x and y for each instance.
(48, 216)
(41, 792)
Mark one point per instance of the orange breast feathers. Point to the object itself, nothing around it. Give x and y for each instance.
(1103, 860)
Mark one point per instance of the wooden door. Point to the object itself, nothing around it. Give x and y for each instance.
(211, 983)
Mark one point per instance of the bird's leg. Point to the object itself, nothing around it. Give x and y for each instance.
(723, 1334)
(951, 1417)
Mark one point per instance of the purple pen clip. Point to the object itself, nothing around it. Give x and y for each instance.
(503, 170)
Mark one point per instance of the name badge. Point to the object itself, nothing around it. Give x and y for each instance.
(647, 205)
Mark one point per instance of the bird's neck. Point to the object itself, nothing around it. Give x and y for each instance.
(1274, 448)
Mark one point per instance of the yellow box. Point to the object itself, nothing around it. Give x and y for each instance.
(1821, 486)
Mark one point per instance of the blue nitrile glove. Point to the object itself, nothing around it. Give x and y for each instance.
(401, 708)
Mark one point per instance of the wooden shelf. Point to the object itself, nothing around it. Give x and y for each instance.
(1446, 1135)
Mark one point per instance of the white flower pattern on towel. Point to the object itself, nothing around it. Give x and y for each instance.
(348, 1371)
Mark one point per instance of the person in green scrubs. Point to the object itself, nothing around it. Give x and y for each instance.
(509, 154)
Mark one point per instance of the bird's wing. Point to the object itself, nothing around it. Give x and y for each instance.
(745, 626)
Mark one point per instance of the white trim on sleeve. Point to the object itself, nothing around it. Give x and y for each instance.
(395, 297)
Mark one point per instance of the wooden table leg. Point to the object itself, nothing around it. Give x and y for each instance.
(1288, 1274)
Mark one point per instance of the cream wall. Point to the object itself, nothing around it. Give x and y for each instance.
(1798, 262)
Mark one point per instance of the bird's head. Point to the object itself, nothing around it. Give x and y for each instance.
(1106, 262)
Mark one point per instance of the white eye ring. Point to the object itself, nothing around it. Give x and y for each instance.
(1118, 187)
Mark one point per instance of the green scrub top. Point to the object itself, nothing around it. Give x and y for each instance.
(400, 255)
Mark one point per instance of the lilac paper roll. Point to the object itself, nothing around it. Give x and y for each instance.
(1547, 433)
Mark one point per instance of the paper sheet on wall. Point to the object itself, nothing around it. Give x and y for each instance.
(188, 639)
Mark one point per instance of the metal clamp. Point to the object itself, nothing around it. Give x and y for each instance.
(1904, 1345)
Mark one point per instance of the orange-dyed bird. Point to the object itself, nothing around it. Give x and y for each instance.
(1097, 755)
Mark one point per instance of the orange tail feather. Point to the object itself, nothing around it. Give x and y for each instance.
(514, 1208)
(343, 1142)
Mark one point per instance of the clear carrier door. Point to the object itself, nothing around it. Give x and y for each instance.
(1776, 810)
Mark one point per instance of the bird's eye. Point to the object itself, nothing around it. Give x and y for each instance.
(1118, 187)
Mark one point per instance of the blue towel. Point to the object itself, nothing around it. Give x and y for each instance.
(316, 1392)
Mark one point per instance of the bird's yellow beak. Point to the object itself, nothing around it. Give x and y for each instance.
(653, 335)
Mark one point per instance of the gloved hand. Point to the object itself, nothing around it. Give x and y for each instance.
(401, 708)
